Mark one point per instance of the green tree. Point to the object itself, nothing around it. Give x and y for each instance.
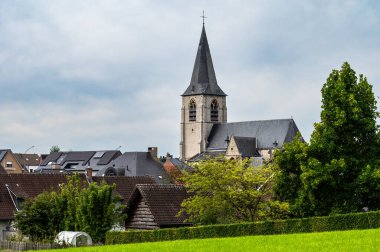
(338, 172)
(229, 191)
(98, 210)
(55, 148)
(77, 206)
(38, 219)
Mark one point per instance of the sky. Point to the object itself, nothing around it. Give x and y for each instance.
(108, 74)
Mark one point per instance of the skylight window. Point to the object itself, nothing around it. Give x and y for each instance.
(99, 154)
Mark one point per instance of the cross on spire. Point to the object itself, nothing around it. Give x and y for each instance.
(203, 17)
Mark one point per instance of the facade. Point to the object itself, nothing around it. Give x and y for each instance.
(10, 162)
(29, 162)
(205, 131)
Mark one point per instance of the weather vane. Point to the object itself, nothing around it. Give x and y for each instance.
(203, 17)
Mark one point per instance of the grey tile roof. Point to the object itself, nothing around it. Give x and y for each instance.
(179, 164)
(203, 79)
(3, 153)
(97, 160)
(207, 154)
(266, 132)
(140, 164)
(246, 146)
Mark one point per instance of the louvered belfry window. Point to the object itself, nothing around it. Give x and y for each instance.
(192, 111)
(214, 111)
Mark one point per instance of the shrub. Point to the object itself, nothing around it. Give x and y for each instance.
(306, 225)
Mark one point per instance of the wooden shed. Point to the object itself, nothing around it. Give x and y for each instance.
(154, 206)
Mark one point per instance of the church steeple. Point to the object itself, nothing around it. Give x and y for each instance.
(203, 79)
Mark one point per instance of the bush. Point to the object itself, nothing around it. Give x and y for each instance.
(306, 225)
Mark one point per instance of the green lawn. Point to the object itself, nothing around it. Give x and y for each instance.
(354, 240)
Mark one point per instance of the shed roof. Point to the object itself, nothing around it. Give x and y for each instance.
(164, 201)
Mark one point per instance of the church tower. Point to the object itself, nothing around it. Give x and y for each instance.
(203, 104)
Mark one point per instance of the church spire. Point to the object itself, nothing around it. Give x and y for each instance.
(203, 79)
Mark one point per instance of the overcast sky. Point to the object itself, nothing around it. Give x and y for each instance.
(93, 75)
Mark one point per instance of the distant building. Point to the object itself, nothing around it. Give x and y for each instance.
(10, 162)
(29, 162)
(106, 163)
(205, 131)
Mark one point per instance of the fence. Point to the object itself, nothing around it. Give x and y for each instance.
(23, 246)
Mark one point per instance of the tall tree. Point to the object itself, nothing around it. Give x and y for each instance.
(338, 171)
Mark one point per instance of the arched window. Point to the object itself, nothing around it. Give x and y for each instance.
(214, 111)
(192, 111)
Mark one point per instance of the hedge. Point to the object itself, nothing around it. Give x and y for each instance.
(307, 225)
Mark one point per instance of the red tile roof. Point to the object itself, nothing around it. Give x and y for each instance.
(30, 185)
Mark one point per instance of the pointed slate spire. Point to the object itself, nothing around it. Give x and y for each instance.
(203, 80)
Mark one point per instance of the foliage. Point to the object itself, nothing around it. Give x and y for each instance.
(37, 219)
(76, 207)
(228, 191)
(55, 148)
(338, 172)
(288, 226)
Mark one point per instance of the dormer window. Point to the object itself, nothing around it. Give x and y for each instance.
(214, 111)
(192, 111)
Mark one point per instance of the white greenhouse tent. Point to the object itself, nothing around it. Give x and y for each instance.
(73, 238)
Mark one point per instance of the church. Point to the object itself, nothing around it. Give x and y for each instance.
(205, 131)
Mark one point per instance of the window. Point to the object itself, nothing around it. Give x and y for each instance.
(99, 154)
(192, 111)
(9, 164)
(214, 111)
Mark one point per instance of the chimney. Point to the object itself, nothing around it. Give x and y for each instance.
(153, 151)
(55, 166)
(89, 172)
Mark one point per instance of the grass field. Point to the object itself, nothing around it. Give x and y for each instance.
(354, 240)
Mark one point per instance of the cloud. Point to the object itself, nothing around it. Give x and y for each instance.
(99, 74)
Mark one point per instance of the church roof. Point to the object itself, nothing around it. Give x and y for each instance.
(246, 146)
(203, 79)
(268, 133)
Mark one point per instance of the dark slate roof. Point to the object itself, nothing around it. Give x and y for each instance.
(28, 159)
(246, 146)
(52, 157)
(203, 79)
(179, 164)
(97, 160)
(3, 153)
(164, 201)
(266, 132)
(140, 164)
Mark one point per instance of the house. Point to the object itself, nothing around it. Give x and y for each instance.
(175, 167)
(205, 131)
(106, 163)
(154, 206)
(78, 161)
(29, 162)
(15, 188)
(9, 161)
(140, 164)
